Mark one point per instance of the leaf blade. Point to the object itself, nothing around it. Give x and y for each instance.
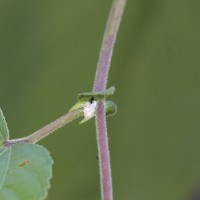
(28, 173)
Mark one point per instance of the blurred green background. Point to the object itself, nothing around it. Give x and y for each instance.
(48, 54)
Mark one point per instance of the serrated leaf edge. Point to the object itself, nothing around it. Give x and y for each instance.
(51, 172)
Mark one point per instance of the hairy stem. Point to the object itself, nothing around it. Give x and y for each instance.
(100, 85)
(108, 44)
(46, 130)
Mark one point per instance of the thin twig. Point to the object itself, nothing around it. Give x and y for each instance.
(46, 130)
(100, 85)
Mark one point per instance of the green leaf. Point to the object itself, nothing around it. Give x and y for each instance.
(85, 97)
(4, 133)
(25, 172)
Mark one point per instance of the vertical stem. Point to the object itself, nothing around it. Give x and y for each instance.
(104, 156)
(100, 85)
(108, 42)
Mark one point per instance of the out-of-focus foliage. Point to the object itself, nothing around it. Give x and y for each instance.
(48, 54)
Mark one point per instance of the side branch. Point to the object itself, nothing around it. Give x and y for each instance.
(46, 130)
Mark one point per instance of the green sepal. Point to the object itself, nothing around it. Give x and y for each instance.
(85, 119)
(110, 108)
(85, 97)
(78, 105)
(98, 96)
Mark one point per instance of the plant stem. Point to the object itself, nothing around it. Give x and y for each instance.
(108, 42)
(46, 130)
(100, 85)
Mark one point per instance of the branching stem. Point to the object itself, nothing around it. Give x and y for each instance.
(99, 85)
(46, 130)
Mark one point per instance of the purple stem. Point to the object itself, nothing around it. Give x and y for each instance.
(100, 85)
(104, 156)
